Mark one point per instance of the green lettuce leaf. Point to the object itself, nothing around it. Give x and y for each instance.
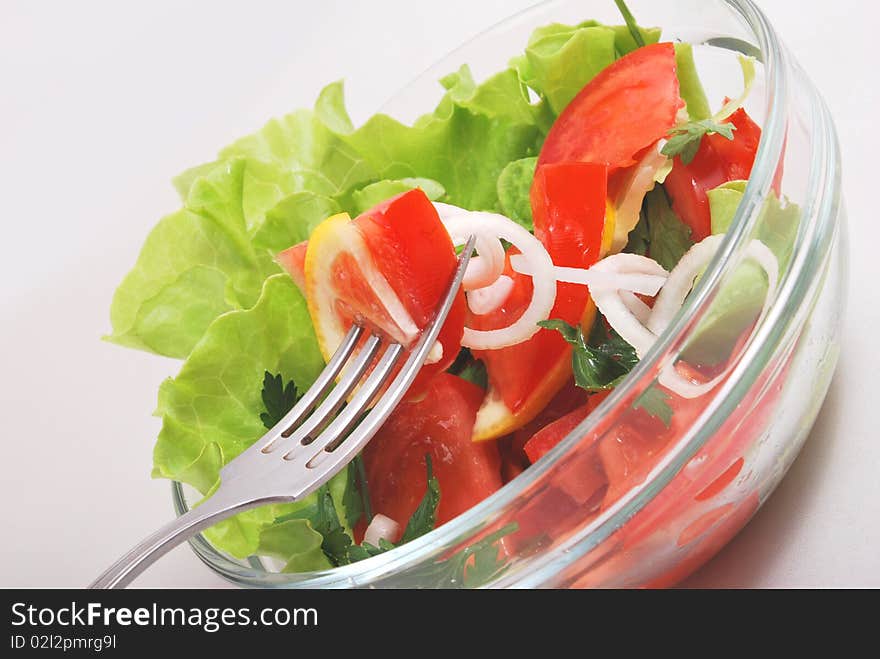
(211, 410)
(560, 59)
(739, 301)
(375, 193)
(778, 225)
(502, 96)
(293, 219)
(462, 150)
(196, 264)
(303, 144)
(514, 185)
(296, 543)
(690, 87)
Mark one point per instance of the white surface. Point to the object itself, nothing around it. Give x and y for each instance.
(102, 102)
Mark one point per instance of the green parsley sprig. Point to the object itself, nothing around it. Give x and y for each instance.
(278, 399)
(601, 362)
(684, 140)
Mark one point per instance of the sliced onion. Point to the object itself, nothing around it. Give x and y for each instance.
(489, 298)
(485, 268)
(461, 224)
(638, 308)
(690, 268)
(681, 281)
(638, 282)
(624, 322)
(381, 528)
(610, 302)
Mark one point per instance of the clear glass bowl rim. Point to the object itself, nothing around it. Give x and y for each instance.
(810, 255)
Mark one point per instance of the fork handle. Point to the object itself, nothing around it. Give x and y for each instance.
(135, 561)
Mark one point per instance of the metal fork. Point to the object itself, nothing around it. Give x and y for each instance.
(311, 444)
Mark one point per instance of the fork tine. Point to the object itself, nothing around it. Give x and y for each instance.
(320, 386)
(348, 418)
(245, 460)
(334, 400)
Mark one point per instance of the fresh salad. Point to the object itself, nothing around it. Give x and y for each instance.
(598, 180)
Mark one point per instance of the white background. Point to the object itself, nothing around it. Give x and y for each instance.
(102, 102)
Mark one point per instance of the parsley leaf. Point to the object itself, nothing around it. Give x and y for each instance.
(326, 522)
(366, 550)
(475, 565)
(656, 403)
(425, 516)
(470, 369)
(278, 398)
(600, 363)
(685, 139)
(337, 544)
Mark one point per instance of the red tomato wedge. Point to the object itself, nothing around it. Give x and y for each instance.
(627, 107)
(717, 161)
(439, 425)
(389, 269)
(569, 211)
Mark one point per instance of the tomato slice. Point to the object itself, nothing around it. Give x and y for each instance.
(388, 269)
(439, 425)
(627, 107)
(568, 206)
(717, 161)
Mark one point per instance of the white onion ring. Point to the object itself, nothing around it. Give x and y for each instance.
(461, 224)
(489, 298)
(381, 528)
(624, 315)
(636, 307)
(757, 252)
(681, 281)
(594, 277)
(618, 315)
(483, 269)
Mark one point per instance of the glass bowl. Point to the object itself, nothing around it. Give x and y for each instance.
(682, 489)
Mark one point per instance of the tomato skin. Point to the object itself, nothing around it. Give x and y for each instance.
(738, 154)
(414, 252)
(717, 161)
(568, 207)
(439, 425)
(628, 106)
